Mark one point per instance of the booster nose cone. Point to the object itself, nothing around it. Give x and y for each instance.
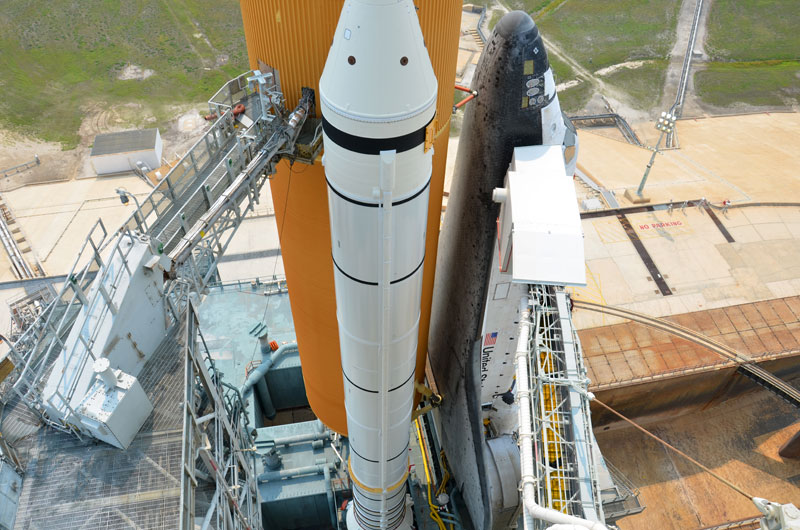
(515, 23)
(378, 77)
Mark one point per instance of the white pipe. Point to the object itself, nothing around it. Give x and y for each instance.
(527, 464)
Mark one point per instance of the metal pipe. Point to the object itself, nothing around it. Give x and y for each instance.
(329, 493)
(265, 398)
(270, 476)
(261, 371)
(532, 509)
(300, 438)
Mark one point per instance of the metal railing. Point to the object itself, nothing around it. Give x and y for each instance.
(565, 468)
(231, 93)
(159, 207)
(218, 436)
(39, 346)
(272, 285)
(36, 350)
(190, 216)
(26, 307)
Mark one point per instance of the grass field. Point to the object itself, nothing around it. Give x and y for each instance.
(767, 83)
(755, 30)
(496, 16)
(574, 99)
(58, 59)
(561, 70)
(599, 34)
(755, 51)
(643, 85)
(531, 6)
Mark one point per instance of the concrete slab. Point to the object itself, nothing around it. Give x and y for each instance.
(57, 217)
(693, 256)
(741, 158)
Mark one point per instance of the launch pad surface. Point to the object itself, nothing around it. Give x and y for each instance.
(728, 273)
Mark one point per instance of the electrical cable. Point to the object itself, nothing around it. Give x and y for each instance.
(433, 511)
(678, 451)
(275, 265)
(446, 477)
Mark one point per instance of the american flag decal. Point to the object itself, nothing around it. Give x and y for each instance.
(490, 339)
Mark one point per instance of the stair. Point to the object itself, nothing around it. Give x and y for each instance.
(19, 240)
(477, 37)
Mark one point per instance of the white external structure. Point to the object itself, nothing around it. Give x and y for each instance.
(125, 151)
(115, 407)
(121, 322)
(378, 100)
(539, 240)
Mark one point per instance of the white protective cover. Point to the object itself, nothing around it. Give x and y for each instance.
(541, 237)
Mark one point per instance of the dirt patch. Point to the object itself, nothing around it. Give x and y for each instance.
(134, 72)
(54, 164)
(630, 65)
(189, 122)
(568, 84)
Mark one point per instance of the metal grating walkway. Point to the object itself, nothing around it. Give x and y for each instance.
(87, 484)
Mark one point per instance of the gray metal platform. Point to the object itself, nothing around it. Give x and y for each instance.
(88, 484)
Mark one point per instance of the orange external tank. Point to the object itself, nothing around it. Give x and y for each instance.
(294, 36)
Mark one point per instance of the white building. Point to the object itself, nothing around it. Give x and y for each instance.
(124, 151)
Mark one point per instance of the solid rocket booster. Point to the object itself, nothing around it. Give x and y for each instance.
(517, 105)
(378, 100)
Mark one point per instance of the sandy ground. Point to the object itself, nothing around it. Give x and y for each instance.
(630, 65)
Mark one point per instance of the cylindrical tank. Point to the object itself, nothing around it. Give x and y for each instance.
(378, 99)
(294, 36)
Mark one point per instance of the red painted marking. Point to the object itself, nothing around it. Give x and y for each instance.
(668, 224)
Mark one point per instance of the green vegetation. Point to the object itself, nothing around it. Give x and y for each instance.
(643, 84)
(599, 34)
(496, 16)
(768, 83)
(575, 98)
(754, 30)
(533, 6)
(755, 47)
(59, 59)
(561, 70)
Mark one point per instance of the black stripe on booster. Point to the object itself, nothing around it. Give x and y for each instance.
(377, 204)
(646, 259)
(375, 284)
(373, 146)
(395, 457)
(398, 387)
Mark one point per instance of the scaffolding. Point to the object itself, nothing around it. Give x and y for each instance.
(190, 217)
(565, 469)
(216, 444)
